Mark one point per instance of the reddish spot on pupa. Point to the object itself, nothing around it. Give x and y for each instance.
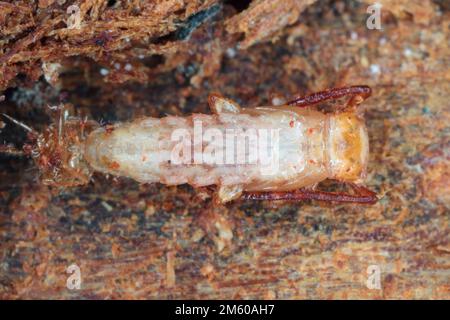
(310, 130)
(114, 165)
(144, 158)
(312, 161)
(292, 123)
(109, 128)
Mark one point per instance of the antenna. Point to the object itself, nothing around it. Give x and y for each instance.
(20, 124)
(10, 149)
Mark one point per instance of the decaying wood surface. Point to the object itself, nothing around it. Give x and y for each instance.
(136, 241)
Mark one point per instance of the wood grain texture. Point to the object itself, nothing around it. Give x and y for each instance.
(136, 241)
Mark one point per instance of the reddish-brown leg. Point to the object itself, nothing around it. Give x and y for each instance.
(362, 195)
(355, 92)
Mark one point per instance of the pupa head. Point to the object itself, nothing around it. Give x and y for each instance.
(348, 147)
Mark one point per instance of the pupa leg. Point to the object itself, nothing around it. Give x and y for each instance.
(362, 195)
(219, 104)
(357, 94)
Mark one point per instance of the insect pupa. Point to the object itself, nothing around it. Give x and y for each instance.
(308, 146)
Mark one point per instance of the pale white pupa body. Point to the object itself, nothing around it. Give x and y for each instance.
(295, 148)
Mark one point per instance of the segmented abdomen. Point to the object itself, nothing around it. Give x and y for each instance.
(290, 149)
